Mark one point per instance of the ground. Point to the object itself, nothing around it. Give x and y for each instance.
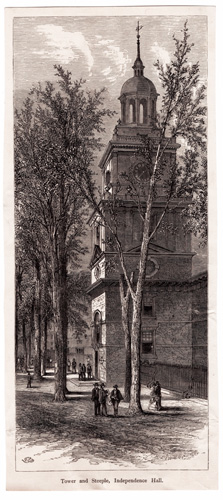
(67, 436)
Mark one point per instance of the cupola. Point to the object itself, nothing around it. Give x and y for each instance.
(138, 95)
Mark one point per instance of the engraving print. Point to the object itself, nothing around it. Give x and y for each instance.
(110, 220)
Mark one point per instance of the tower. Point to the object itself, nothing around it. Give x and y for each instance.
(166, 314)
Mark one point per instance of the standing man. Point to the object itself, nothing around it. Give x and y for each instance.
(89, 371)
(95, 399)
(74, 364)
(84, 371)
(103, 394)
(80, 373)
(29, 380)
(116, 397)
(158, 395)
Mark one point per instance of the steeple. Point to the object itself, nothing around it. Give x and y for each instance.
(138, 96)
(138, 65)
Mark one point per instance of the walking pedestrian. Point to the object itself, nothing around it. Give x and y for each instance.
(103, 394)
(84, 371)
(116, 397)
(158, 395)
(80, 373)
(95, 399)
(74, 364)
(89, 371)
(29, 380)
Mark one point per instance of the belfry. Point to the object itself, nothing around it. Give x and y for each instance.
(173, 346)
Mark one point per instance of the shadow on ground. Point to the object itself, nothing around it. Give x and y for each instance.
(71, 427)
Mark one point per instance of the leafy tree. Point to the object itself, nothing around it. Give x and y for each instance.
(182, 118)
(55, 128)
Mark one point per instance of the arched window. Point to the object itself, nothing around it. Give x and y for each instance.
(97, 327)
(142, 111)
(132, 114)
(123, 111)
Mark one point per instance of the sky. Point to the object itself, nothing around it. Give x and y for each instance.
(101, 50)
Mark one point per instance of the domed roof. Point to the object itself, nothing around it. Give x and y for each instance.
(138, 84)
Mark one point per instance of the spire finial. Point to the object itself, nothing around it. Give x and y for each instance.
(138, 65)
(138, 39)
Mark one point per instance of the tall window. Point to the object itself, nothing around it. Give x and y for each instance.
(97, 327)
(148, 342)
(131, 113)
(132, 117)
(108, 178)
(123, 112)
(142, 111)
(97, 235)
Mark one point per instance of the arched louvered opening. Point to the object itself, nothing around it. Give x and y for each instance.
(153, 109)
(132, 114)
(123, 110)
(142, 111)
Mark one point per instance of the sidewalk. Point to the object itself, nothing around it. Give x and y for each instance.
(168, 397)
(68, 434)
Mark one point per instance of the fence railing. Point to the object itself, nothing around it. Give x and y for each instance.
(191, 380)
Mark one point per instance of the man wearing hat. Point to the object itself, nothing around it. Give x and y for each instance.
(95, 399)
(103, 394)
(116, 397)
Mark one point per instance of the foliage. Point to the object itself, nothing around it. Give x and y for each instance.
(56, 133)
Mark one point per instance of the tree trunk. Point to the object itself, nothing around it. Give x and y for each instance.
(37, 323)
(29, 340)
(59, 262)
(125, 303)
(32, 330)
(24, 340)
(135, 405)
(44, 347)
(128, 368)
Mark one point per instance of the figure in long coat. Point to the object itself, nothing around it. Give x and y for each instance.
(116, 397)
(95, 399)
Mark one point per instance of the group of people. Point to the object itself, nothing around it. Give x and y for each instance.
(100, 397)
(71, 366)
(84, 371)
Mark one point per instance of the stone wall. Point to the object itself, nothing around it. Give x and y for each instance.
(167, 266)
(199, 322)
(172, 326)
